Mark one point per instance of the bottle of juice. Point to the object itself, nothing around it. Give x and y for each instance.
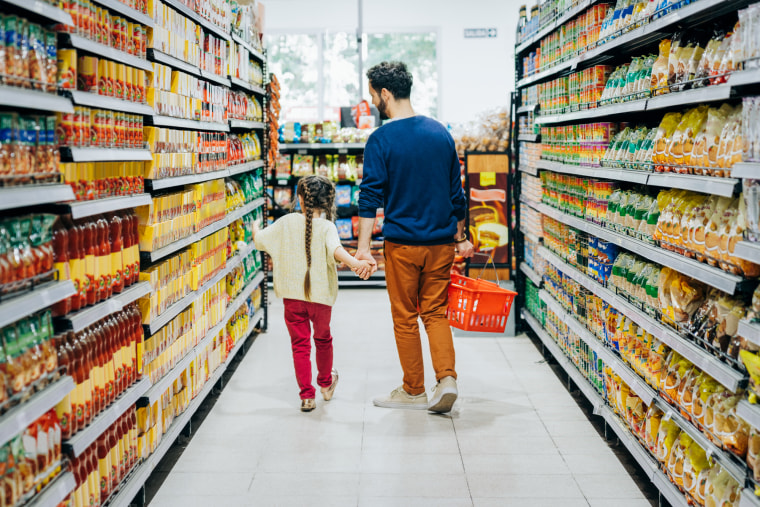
(91, 339)
(63, 409)
(113, 449)
(104, 259)
(61, 263)
(104, 466)
(93, 473)
(89, 235)
(117, 265)
(74, 365)
(109, 363)
(76, 261)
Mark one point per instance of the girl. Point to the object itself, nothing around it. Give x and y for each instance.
(304, 247)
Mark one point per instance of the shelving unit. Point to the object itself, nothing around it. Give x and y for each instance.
(256, 54)
(641, 455)
(245, 85)
(176, 246)
(616, 51)
(712, 276)
(133, 484)
(532, 275)
(60, 199)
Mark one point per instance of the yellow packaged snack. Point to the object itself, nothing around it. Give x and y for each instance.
(659, 79)
(678, 457)
(753, 453)
(752, 362)
(696, 461)
(667, 434)
(652, 428)
(665, 130)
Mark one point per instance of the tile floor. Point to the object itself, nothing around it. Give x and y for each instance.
(517, 437)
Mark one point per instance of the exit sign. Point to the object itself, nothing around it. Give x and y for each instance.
(479, 33)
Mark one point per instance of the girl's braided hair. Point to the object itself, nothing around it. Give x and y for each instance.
(318, 194)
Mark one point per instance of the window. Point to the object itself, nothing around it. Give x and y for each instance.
(319, 73)
(418, 51)
(294, 58)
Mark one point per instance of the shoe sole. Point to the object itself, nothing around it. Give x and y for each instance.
(444, 405)
(407, 406)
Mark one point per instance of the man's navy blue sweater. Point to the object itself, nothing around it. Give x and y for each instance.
(411, 170)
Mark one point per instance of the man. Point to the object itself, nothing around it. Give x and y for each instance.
(411, 169)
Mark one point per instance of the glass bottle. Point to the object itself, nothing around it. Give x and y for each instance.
(117, 263)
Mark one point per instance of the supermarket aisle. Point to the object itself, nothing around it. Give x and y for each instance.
(516, 437)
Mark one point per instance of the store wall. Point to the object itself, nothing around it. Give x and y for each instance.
(475, 74)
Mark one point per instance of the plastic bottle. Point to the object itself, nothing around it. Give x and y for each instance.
(61, 263)
(104, 467)
(76, 261)
(117, 265)
(89, 243)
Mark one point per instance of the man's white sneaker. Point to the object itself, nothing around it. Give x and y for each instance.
(399, 398)
(444, 395)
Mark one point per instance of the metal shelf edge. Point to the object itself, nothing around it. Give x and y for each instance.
(33, 99)
(189, 179)
(125, 10)
(82, 209)
(21, 416)
(721, 372)
(255, 53)
(749, 412)
(108, 52)
(531, 274)
(247, 124)
(83, 439)
(725, 187)
(33, 301)
(749, 499)
(169, 121)
(56, 492)
(708, 274)
(748, 170)
(32, 195)
(107, 154)
(750, 331)
(43, 9)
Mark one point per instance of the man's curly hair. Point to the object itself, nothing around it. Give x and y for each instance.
(392, 76)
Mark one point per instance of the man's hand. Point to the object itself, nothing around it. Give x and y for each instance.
(363, 269)
(365, 255)
(465, 249)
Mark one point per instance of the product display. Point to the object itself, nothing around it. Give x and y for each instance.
(28, 54)
(106, 291)
(630, 262)
(490, 133)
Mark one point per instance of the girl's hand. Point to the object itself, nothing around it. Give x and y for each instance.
(363, 269)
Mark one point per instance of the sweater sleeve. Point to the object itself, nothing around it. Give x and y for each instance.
(458, 199)
(373, 183)
(266, 239)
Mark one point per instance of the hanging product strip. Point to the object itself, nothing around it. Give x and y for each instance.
(593, 175)
(72, 287)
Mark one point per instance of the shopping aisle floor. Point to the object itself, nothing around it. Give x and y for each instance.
(515, 438)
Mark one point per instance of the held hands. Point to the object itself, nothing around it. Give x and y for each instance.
(465, 249)
(365, 255)
(362, 269)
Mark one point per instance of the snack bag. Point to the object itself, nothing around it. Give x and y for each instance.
(652, 427)
(678, 457)
(732, 430)
(751, 362)
(695, 462)
(659, 80)
(676, 48)
(705, 64)
(665, 130)
(667, 434)
(753, 453)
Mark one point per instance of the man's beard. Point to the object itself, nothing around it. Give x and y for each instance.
(382, 107)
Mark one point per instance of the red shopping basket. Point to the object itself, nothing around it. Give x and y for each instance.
(478, 305)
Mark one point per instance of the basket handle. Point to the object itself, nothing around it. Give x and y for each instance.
(493, 264)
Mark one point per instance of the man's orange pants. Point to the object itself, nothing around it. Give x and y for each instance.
(418, 278)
